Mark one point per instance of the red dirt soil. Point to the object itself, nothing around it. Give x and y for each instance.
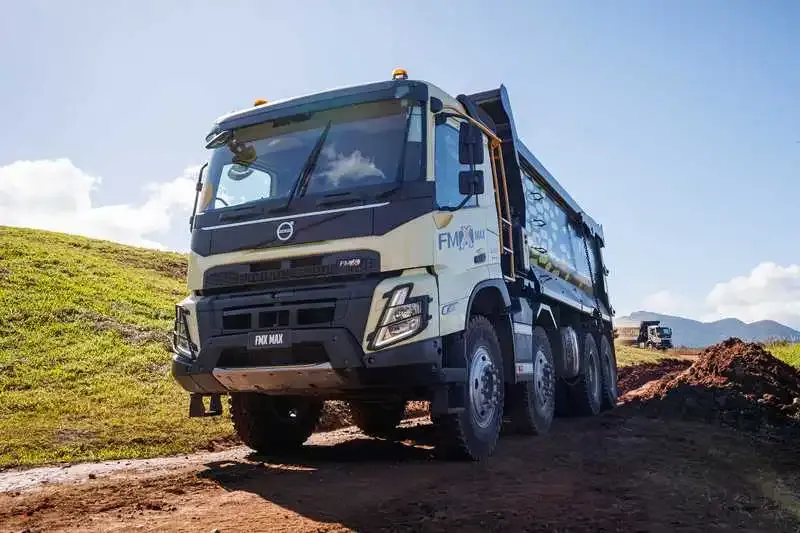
(336, 414)
(616, 472)
(632, 377)
(734, 383)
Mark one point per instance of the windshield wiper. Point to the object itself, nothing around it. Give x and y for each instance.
(302, 180)
(340, 198)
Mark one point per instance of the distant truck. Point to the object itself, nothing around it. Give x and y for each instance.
(384, 243)
(646, 334)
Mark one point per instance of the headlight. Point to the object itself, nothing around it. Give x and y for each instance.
(181, 343)
(402, 317)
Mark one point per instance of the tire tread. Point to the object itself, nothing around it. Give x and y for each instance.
(454, 440)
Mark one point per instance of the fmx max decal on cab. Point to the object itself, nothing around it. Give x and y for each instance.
(461, 239)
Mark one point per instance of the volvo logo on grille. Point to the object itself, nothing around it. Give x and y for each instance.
(285, 230)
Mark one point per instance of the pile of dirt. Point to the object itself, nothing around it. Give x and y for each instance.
(336, 414)
(733, 383)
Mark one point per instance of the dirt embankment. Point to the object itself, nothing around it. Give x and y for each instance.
(630, 378)
(734, 383)
(667, 471)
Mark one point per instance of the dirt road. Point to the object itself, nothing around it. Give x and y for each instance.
(622, 471)
(613, 473)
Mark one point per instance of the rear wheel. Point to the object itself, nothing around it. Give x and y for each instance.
(379, 418)
(473, 432)
(534, 402)
(585, 393)
(274, 424)
(609, 374)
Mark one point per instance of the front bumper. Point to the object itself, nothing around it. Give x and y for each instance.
(327, 351)
(345, 368)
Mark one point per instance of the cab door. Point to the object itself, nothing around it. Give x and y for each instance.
(466, 247)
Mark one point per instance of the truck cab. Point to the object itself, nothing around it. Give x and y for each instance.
(659, 337)
(369, 244)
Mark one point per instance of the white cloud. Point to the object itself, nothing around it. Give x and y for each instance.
(56, 195)
(770, 291)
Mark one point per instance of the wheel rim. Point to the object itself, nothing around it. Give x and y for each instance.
(592, 374)
(483, 387)
(543, 380)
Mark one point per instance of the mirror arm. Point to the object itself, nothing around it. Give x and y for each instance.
(197, 188)
(459, 206)
(455, 114)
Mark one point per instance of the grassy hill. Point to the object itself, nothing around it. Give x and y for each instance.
(84, 361)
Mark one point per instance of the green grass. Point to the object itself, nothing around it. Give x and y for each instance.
(787, 352)
(630, 355)
(84, 361)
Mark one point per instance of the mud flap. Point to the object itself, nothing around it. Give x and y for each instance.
(449, 397)
(197, 408)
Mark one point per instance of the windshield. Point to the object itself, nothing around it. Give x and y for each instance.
(334, 151)
(665, 332)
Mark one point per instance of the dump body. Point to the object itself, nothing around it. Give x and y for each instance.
(558, 242)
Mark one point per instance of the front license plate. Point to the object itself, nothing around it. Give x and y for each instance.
(270, 339)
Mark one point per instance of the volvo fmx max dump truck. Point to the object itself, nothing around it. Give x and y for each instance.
(385, 243)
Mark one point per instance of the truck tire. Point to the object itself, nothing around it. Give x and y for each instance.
(535, 402)
(586, 393)
(377, 419)
(609, 366)
(472, 433)
(274, 424)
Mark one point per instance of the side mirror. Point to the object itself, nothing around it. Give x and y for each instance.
(470, 147)
(470, 182)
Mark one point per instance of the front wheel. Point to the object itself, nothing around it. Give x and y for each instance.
(472, 433)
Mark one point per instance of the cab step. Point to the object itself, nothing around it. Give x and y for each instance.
(197, 407)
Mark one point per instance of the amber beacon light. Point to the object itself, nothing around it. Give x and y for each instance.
(399, 74)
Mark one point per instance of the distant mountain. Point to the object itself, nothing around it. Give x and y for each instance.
(693, 333)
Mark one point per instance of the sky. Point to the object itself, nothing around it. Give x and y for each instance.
(675, 124)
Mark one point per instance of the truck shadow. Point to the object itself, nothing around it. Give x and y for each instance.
(619, 470)
(333, 483)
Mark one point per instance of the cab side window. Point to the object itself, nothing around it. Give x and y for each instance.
(447, 168)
